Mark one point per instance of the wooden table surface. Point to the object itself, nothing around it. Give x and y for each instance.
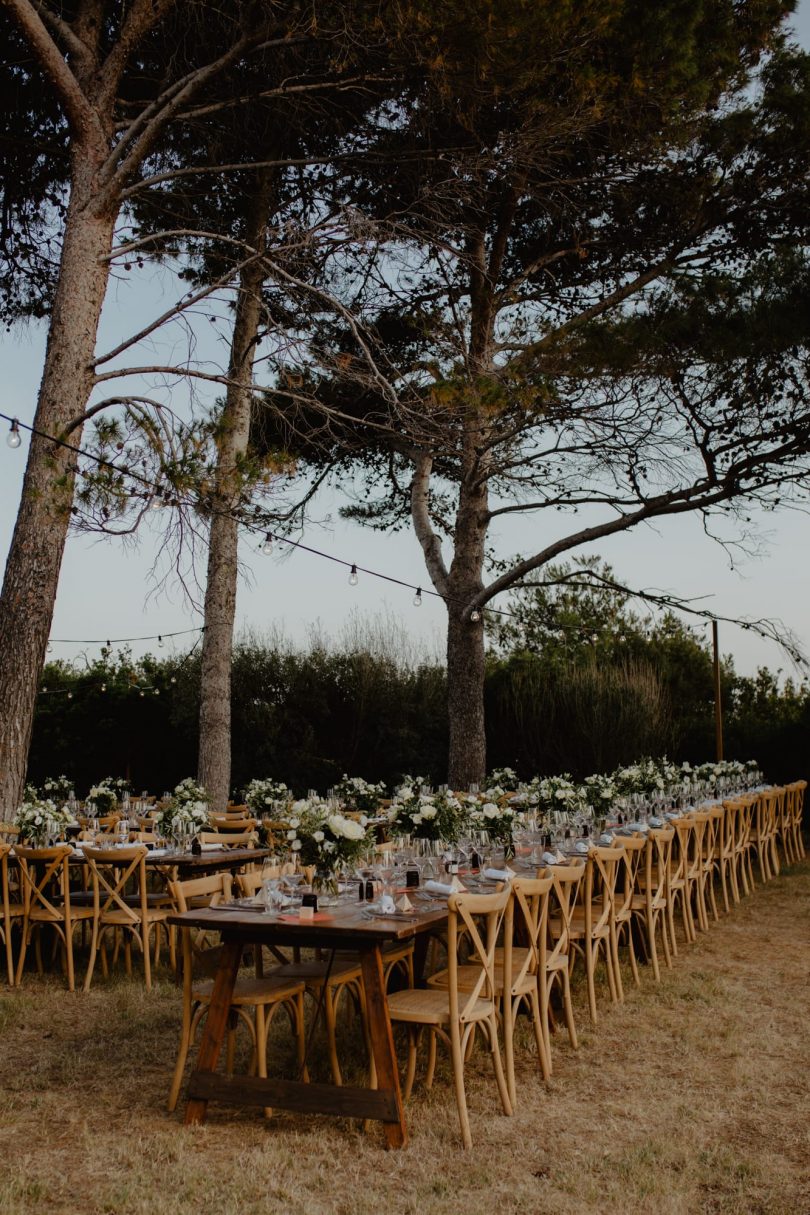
(345, 926)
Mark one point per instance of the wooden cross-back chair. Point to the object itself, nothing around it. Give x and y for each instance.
(696, 872)
(715, 817)
(593, 928)
(229, 824)
(123, 911)
(45, 885)
(633, 848)
(452, 1014)
(650, 899)
(680, 886)
(764, 833)
(566, 880)
(797, 789)
(519, 971)
(745, 843)
(10, 910)
(254, 1002)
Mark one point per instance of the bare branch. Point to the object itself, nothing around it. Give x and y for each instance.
(420, 513)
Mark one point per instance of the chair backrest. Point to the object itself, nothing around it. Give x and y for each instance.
(225, 839)
(601, 875)
(9, 831)
(679, 867)
(116, 870)
(528, 907)
(565, 884)
(657, 862)
(40, 869)
(4, 895)
(712, 834)
(634, 848)
(699, 820)
(214, 888)
(231, 823)
(106, 822)
(478, 917)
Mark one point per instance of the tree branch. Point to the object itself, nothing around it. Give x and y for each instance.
(420, 513)
(80, 114)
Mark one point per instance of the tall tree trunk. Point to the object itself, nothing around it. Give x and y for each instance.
(467, 757)
(467, 760)
(214, 760)
(38, 542)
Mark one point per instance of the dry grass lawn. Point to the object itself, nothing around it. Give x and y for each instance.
(691, 1097)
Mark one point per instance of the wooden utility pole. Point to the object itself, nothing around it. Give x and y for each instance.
(718, 699)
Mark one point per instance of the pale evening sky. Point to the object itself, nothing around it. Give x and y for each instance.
(103, 591)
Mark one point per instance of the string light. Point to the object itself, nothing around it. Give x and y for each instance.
(475, 615)
(154, 495)
(160, 642)
(353, 579)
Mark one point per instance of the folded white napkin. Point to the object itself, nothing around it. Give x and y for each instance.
(499, 875)
(454, 887)
(387, 904)
(606, 839)
(583, 847)
(211, 847)
(655, 821)
(404, 903)
(549, 858)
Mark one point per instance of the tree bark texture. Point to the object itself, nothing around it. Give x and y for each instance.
(37, 545)
(214, 758)
(467, 757)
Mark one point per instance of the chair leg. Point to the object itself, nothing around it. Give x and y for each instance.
(457, 1055)
(500, 1077)
(93, 952)
(589, 970)
(330, 1020)
(510, 1012)
(651, 917)
(568, 1006)
(431, 1064)
(147, 961)
(410, 1073)
(539, 1038)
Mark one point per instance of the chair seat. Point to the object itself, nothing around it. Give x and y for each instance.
(314, 973)
(155, 915)
(640, 902)
(41, 915)
(468, 976)
(250, 992)
(419, 1007)
(577, 927)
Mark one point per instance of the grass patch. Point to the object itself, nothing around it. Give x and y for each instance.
(691, 1097)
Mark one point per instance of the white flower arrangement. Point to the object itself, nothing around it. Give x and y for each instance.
(507, 778)
(558, 794)
(599, 792)
(497, 819)
(264, 796)
(359, 794)
(181, 817)
(41, 819)
(431, 816)
(189, 790)
(57, 788)
(322, 837)
(101, 799)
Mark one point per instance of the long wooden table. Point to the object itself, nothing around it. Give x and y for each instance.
(345, 927)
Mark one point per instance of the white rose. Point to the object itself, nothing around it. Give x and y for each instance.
(296, 844)
(428, 812)
(318, 836)
(416, 820)
(291, 835)
(490, 810)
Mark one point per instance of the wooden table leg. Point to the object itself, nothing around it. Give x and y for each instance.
(215, 1022)
(382, 1041)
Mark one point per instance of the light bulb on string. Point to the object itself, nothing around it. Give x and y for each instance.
(353, 579)
(14, 438)
(160, 642)
(157, 691)
(267, 546)
(417, 599)
(104, 687)
(475, 615)
(70, 696)
(173, 679)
